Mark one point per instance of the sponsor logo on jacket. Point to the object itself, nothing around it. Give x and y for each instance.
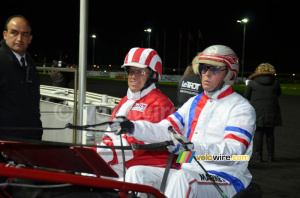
(204, 177)
(139, 107)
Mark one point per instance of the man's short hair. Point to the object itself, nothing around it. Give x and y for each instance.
(15, 16)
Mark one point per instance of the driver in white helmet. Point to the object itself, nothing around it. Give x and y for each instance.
(142, 102)
(218, 122)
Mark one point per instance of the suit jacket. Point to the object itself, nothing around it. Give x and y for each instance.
(19, 96)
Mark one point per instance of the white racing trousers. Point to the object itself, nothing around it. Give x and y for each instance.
(180, 183)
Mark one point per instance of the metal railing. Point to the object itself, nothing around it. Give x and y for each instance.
(73, 70)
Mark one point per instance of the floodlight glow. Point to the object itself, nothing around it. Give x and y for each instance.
(148, 30)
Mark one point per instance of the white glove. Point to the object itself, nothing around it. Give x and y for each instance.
(122, 125)
(181, 143)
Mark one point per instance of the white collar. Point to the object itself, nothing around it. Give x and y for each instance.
(19, 57)
(217, 93)
(138, 95)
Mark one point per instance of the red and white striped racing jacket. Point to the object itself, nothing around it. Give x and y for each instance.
(152, 107)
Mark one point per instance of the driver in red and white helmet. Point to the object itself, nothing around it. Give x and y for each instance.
(218, 58)
(218, 125)
(142, 102)
(145, 59)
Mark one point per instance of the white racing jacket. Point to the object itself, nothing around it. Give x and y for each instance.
(221, 125)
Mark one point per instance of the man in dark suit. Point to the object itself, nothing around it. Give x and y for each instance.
(19, 83)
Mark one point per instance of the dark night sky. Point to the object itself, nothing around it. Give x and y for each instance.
(271, 34)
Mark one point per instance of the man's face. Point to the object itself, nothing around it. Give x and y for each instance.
(212, 79)
(18, 35)
(137, 78)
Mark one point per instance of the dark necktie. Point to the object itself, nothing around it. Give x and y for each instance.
(23, 62)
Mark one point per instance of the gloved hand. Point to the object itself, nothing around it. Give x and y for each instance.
(122, 125)
(181, 143)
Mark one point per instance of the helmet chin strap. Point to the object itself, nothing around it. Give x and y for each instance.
(150, 80)
(219, 87)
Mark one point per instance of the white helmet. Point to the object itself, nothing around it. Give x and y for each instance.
(144, 57)
(220, 55)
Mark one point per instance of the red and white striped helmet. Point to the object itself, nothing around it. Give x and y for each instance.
(220, 55)
(143, 57)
